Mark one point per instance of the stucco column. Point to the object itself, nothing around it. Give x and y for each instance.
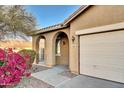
(35, 47)
(49, 61)
(74, 55)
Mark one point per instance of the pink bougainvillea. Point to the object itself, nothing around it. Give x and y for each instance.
(12, 67)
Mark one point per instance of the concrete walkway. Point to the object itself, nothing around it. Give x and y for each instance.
(52, 76)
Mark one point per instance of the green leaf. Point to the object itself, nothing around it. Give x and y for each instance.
(1, 63)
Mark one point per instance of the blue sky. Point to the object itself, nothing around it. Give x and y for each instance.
(47, 15)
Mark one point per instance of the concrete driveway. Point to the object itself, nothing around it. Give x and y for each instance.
(82, 81)
(53, 77)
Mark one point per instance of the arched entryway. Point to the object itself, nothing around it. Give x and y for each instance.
(61, 49)
(40, 48)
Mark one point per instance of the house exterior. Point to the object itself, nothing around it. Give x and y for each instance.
(90, 42)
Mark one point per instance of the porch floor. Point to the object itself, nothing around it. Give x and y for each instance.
(53, 75)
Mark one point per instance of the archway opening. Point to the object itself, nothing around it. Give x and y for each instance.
(62, 49)
(40, 50)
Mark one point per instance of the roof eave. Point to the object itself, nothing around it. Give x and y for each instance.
(46, 30)
(75, 14)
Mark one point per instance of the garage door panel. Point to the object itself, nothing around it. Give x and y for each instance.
(106, 63)
(102, 55)
(104, 74)
(103, 67)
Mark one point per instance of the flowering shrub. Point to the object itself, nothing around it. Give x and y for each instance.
(29, 55)
(12, 68)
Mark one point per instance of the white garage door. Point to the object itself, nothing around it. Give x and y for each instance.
(102, 55)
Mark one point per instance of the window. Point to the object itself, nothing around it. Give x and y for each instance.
(58, 51)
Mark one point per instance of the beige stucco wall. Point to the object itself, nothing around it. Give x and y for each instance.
(35, 47)
(50, 38)
(63, 58)
(94, 16)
